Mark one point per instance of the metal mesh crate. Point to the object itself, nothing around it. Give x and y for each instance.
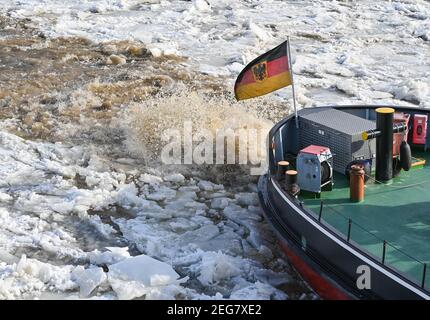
(338, 130)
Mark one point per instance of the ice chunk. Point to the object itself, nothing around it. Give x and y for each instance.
(259, 32)
(227, 241)
(412, 91)
(7, 257)
(156, 52)
(169, 48)
(88, 280)
(116, 60)
(213, 195)
(247, 199)
(129, 278)
(217, 266)
(113, 255)
(176, 178)
(219, 203)
(184, 194)
(258, 291)
(58, 277)
(209, 186)
(202, 5)
(181, 225)
(183, 207)
(235, 67)
(161, 194)
(423, 32)
(127, 196)
(348, 87)
(379, 95)
(150, 179)
(4, 197)
(104, 229)
(189, 189)
(119, 251)
(199, 236)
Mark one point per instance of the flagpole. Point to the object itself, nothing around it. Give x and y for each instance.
(290, 65)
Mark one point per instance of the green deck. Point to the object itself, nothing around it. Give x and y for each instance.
(398, 212)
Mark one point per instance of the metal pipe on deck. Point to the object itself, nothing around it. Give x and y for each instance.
(384, 142)
(291, 185)
(282, 168)
(372, 134)
(356, 183)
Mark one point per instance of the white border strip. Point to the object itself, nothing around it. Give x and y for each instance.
(350, 249)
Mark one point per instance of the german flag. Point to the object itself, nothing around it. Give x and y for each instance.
(266, 73)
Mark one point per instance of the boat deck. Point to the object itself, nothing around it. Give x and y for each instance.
(398, 212)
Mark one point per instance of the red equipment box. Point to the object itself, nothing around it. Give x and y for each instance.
(420, 129)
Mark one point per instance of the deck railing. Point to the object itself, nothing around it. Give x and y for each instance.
(388, 254)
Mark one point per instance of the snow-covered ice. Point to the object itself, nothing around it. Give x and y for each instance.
(43, 214)
(373, 43)
(137, 276)
(88, 279)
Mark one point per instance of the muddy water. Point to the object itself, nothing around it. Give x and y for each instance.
(68, 90)
(48, 82)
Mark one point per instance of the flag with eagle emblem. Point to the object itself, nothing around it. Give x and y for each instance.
(266, 73)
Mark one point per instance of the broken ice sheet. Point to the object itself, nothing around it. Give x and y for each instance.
(137, 276)
(257, 291)
(113, 255)
(88, 279)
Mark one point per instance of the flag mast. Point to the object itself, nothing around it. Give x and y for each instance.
(290, 66)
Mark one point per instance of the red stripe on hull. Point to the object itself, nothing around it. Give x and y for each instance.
(322, 286)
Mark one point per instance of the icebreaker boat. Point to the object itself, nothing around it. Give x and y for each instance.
(348, 195)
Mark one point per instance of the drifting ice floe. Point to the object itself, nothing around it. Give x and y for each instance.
(43, 212)
(88, 279)
(138, 276)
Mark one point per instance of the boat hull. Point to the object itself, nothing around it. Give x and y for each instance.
(310, 272)
(320, 283)
(328, 264)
